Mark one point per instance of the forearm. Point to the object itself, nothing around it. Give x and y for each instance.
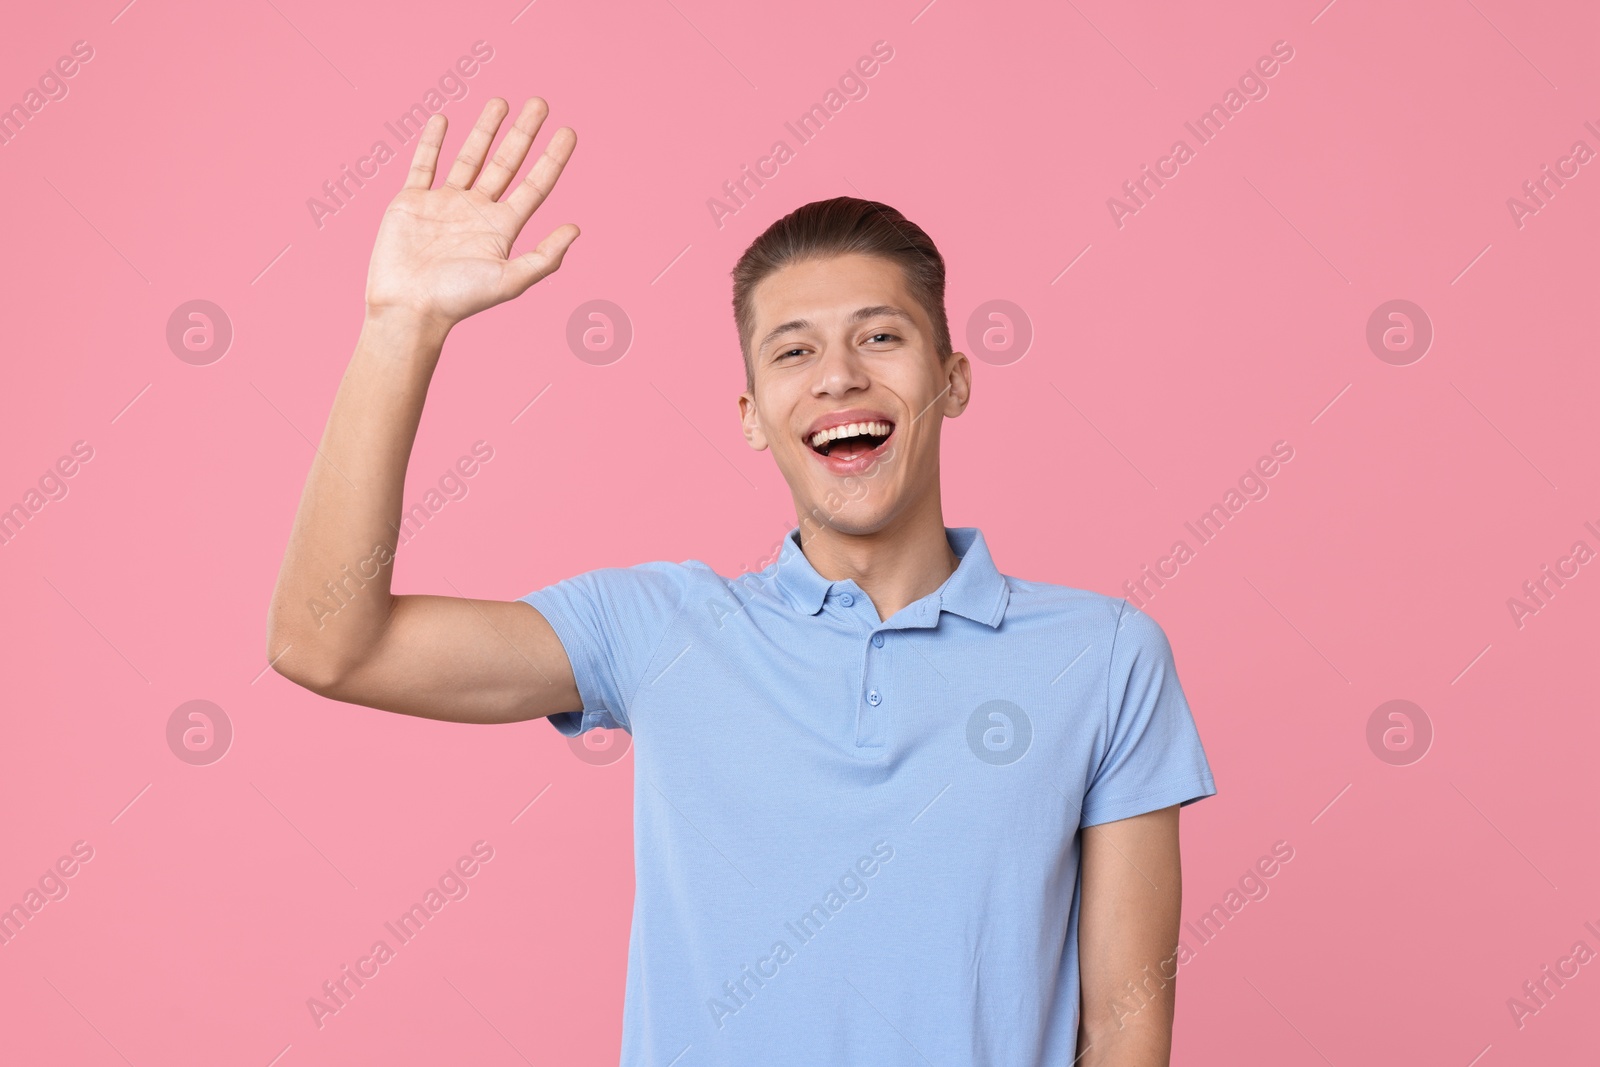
(1134, 1030)
(332, 598)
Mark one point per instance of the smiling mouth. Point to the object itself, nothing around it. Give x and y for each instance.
(852, 440)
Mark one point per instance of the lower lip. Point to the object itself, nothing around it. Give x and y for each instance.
(857, 465)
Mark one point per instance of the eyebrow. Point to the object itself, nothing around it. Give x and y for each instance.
(859, 315)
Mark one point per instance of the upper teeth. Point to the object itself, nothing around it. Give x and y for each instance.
(850, 429)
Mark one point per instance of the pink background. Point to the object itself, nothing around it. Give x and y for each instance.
(1228, 314)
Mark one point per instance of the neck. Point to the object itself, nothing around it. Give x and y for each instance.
(895, 566)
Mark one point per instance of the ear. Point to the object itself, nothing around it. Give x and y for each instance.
(958, 377)
(750, 419)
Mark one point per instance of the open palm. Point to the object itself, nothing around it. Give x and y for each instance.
(445, 253)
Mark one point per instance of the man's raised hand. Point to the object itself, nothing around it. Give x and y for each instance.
(442, 254)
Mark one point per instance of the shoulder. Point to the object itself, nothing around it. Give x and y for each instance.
(1054, 603)
(1122, 631)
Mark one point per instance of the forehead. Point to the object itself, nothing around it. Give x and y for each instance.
(829, 288)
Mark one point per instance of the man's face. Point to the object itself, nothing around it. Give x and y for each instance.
(841, 341)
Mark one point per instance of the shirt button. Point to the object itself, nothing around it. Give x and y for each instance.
(846, 599)
(874, 699)
(877, 639)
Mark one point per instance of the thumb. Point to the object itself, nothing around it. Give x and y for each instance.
(524, 270)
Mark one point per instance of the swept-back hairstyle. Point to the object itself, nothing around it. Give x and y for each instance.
(835, 227)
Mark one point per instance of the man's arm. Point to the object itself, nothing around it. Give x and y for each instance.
(1128, 915)
(440, 256)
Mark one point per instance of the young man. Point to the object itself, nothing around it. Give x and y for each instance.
(891, 805)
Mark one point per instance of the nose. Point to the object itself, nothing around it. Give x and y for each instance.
(840, 370)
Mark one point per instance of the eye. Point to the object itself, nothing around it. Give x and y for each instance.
(787, 352)
(874, 337)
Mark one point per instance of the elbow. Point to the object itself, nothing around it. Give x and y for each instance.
(297, 657)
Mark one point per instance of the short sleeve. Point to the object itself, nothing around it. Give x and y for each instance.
(611, 621)
(1153, 756)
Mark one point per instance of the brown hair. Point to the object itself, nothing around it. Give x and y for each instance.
(841, 226)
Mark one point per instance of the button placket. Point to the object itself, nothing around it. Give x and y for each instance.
(872, 716)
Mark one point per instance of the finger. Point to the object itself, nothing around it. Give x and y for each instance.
(531, 191)
(542, 261)
(476, 148)
(513, 150)
(420, 176)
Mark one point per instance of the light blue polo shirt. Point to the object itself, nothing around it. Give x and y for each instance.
(857, 841)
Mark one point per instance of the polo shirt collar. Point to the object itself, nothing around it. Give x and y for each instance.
(976, 590)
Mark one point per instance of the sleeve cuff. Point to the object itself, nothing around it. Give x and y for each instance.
(595, 713)
(1181, 793)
